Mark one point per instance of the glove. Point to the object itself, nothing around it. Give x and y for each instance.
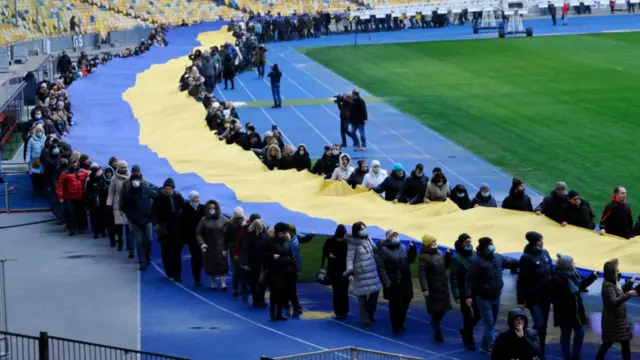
(203, 247)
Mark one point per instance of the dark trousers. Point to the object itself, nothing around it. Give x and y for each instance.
(239, 279)
(171, 257)
(398, 307)
(38, 183)
(122, 233)
(626, 350)
(277, 298)
(226, 80)
(368, 305)
(344, 132)
(540, 316)
(257, 289)
(96, 216)
(261, 70)
(436, 320)
(340, 286)
(553, 18)
(75, 215)
(292, 290)
(196, 260)
(470, 317)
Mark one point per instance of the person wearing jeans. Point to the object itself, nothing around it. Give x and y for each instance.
(484, 281)
(137, 204)
(275, 75)
(358, 120)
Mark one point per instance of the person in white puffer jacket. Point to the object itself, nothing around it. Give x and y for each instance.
(375, 177)
(345, 169)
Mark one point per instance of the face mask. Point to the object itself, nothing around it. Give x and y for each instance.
(492, 249)
(122, 171)
(38, 117)
(540, 247)
(55, 151)
(468, 248)
(460, 195)
(395, 240)
(440, 183)
(362, 233)
(485, 193)
(418, 173)
(135, 183)
(212, 212)
(375, 170)
(335, 152)
(301, 152)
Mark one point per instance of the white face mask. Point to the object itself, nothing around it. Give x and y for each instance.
(135, 183)
(485, 193)
(301, 152)
(362, 233)
(395, 240)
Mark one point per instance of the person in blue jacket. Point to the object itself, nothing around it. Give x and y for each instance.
(484, 285)
(536, 268)
(460, 264)
(137, 205)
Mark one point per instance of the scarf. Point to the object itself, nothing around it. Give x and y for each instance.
(573, 280)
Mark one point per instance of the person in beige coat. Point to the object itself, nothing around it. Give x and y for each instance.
(437, 189)
(114, 200)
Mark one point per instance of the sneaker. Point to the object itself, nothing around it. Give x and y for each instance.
(364, 148)
(486, 350)
(356, 148)
(213, 285)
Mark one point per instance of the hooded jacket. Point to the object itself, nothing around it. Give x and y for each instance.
(536, 268)
(480, 200)
(391, 186)
(553, 206)
(343, 172)
(432, 273)
(437, 193)
(357, 176)
(71, 185)
(114, 197)
(361, 264)
(414, 189)
(614, 321)
(463, 202)
(210, 231)
(302, 162)
(568, 307)
(509, 346)
(372, 180)
(517, 200)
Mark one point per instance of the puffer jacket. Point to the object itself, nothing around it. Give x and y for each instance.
(484, 278)
(614, 321)
(414, 188)
(361, 264)
(536, 268)
(71, 185)
(488, 201)
(437, 193)
(395, 271)
(433, 278)
(35, 146)
(517, 201)
(391, 186)
(553, 206)
(343, 172)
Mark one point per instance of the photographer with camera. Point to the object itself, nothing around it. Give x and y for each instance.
(344, 103)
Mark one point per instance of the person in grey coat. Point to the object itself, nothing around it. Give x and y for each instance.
(210, 236)
(395, 274)
(363, 271)
(434, 283)
(615, 325)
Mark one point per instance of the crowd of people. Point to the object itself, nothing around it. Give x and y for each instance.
(116, 202)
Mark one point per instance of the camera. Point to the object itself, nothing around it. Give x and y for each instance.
(337, 99)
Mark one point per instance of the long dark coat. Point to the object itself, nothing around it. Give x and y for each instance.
(614, 322)
(433, 278)
(210, 231)
(394, 269)
(189, 221)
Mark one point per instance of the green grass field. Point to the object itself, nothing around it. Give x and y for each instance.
(544, 108)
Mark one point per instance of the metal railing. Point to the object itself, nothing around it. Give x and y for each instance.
(346, 353)
(24, 347)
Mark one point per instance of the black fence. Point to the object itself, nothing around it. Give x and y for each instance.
(45, 347)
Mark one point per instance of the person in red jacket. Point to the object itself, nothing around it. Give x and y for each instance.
(71, 195)
(565, 13)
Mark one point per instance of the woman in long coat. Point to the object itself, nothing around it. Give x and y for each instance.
(362, 267)
(615, 323)
(434, 283)
(395, 274)
(210, 236)
(35, 146)
(114, 201)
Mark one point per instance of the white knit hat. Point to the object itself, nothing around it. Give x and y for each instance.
(238, 212)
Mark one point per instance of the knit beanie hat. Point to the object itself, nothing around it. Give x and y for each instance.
(255, 216)
(436, 169)
(572, 194)
(238, 212)
(533, 237)
(83, 158)
(169, 183)
(135, 168)
(398, 167)
(484, 186)
(564, 262)
(389, 234)
(516, 182)
(281, 227)
(484, 243)
(427, 240)
(94, 166)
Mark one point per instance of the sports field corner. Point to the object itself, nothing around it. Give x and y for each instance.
(544, 109)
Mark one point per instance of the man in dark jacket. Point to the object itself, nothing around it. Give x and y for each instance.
(358, 120)
(517, 199)
(616, 217)
(231, 233)
(137, 204)
(518, 342)
(536, 268)
(552, 11)
(64, 63)
(344, 103)
(484, 281)
(275, 75)
(167, 209)
(414, 187)
(460, 263)
(578, 212)
(553, 204)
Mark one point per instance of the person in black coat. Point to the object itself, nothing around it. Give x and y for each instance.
(518, 342)
(254, 242)
(460, 263)
(394, 268)
(358, 174)
(334, 252)
(192, 213)
(358, 119)
(393, 183)
(536, 268)
(167, 210)
(92, 195)
(552, 11)
(282, 269)
(554, 204)
(275, 75)
(517, 199)
(483, 197)
(484, 281)
(327, 163)
(301, 159)
(228, 70)
(460, 196)
(414, 187)
(578, 212)
(616, 217)
(564, 290)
